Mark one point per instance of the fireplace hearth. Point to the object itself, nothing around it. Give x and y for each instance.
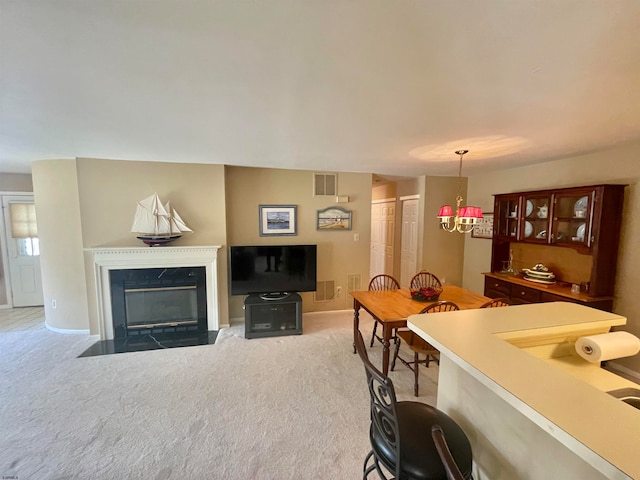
(145, 342)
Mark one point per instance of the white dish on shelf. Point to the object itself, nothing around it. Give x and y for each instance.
(528, 229)
(529, 209)
(580, 207)
(542, 234)
(580, 232)
(535, 274)
(540, 280)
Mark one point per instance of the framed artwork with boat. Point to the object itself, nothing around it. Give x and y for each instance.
(333, 218)
(278, 220)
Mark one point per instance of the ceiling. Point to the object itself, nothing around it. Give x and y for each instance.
(336, 85)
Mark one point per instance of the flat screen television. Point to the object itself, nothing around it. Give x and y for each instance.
(272, 269)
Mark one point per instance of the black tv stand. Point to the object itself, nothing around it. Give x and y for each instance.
(273, 316)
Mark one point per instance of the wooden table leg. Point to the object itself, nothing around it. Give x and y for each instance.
(386, 342)
(356, 321)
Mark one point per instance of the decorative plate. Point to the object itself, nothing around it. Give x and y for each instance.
(533, 273)
(528, 229)
(542, 234)
(529, 210)
(539, 280)
(540, 277)
(580, 232)
(580, 207)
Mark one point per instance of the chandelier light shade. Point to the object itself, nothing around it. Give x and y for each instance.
(465, 217)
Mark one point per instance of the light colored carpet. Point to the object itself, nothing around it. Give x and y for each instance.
(277, 408)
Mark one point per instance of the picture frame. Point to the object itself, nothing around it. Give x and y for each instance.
(333, 219)
(484, 229)
(278, 220)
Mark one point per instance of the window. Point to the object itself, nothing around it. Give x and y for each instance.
(28, 247)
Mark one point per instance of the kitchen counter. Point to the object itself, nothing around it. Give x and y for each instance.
(531, 406)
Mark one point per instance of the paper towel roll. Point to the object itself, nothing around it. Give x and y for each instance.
(598, 348)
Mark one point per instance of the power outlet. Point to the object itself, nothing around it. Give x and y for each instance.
(54, 304)
(338, 290)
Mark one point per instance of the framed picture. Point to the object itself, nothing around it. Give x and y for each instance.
(277, 220)
(485, 228)
(333, 218)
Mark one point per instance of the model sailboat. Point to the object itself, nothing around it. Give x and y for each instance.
(156, 224)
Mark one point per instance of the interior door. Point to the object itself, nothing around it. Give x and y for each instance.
(409, 242)
(23, 253)
(382, 237)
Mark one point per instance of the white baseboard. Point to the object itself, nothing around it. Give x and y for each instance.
(624, 370)
(66, 330)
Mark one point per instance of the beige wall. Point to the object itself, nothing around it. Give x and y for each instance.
(15, 182)
(109, 189)
(442, 252)
(439, 252)
(338, 254)
(619, 165)
(383, 191)
(61, 260)
(86, 203)
(99, 197)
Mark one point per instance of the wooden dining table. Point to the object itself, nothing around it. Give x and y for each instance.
(392, 308)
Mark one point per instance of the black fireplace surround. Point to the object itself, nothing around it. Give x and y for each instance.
(170, 302)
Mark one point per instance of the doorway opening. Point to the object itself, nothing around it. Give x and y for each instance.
(20, 275)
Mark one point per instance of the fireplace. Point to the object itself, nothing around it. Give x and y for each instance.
(181, 280)
(153, 301)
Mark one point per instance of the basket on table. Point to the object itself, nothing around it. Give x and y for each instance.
(426, 294)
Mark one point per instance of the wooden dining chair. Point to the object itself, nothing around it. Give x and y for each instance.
(381, 282)
(496, 302)
(418, 345)
(424, 279)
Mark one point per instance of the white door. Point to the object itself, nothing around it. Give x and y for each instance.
(409, 242)
(382, 238)
(23, 252)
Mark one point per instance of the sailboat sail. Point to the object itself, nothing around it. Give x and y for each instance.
(179, 223)
(153, 221)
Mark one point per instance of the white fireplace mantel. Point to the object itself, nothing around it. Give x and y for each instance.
(121, 258)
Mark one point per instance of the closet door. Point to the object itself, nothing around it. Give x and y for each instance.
(409, 250)
(382, 235)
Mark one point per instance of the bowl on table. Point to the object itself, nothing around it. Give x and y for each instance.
(426, 294)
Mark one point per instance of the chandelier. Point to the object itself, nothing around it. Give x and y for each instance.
(466, 217)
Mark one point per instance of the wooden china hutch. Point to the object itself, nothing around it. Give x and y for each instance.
(573, 231)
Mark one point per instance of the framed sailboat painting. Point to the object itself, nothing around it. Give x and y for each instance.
(333, 218)
(278, 220)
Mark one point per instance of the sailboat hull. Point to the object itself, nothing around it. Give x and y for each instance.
(157, 241)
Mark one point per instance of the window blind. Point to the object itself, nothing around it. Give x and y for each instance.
(23, 220)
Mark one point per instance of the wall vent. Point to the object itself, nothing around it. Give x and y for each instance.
(354, 282)
(325, 184)
(325, 291)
